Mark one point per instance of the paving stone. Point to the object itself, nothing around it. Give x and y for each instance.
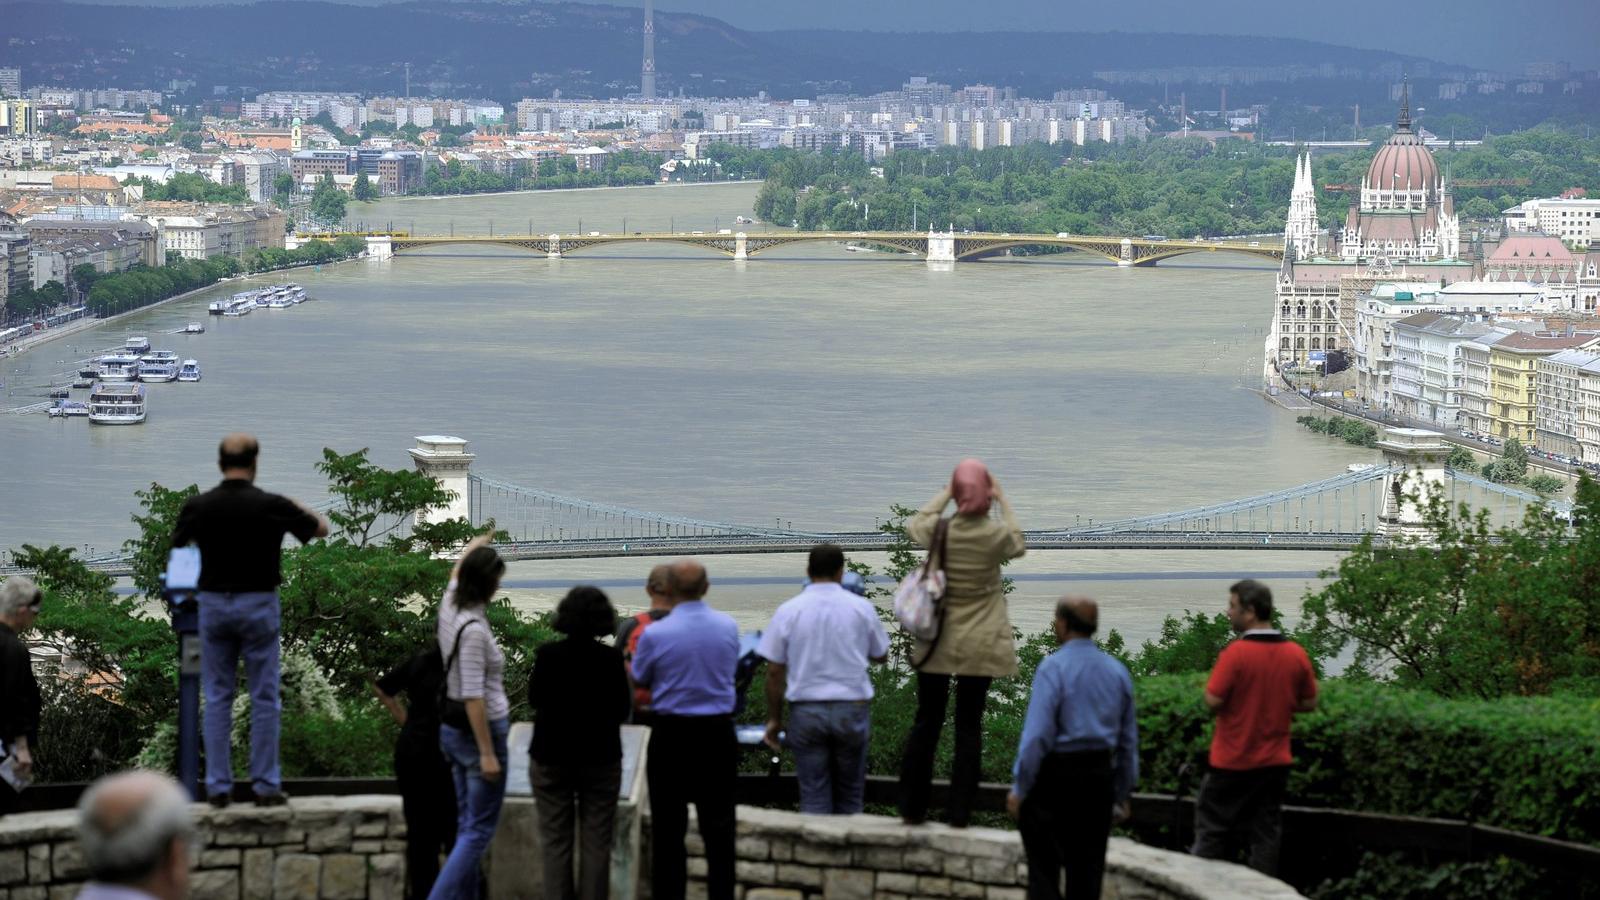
(958, 867)
(13, 866)
(218, 859)
(767, 893)
(847, 884)
(333, 837)
(256, 874)
(66, 862)
(885, 858)
(820, 855)
(994, 871)
(782, 851)
(752, 872)
(68, 891)
(966, 889)
(752, 848)
(386, 876)
(344, 876)
(804, 876)
(372, 829)
(295, 876)
(39, 864)
(899, 882)
(1005, 893)
(215, 884)
(31, 892)
(366, 847)
(924, 859)
(933, 886)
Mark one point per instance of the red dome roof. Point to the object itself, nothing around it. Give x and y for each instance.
(1403, 164)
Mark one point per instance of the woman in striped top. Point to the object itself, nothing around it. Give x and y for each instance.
(472, 733)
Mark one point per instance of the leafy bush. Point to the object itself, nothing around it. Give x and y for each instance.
(1354, 431)
(1473, 610)
(1399, 876)
(1529, 764)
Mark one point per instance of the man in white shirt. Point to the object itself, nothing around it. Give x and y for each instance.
(817, 650)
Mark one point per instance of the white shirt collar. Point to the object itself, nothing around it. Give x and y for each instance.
(1260, 631)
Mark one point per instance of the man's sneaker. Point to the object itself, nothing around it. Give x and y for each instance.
(219, 801)
(277, 799)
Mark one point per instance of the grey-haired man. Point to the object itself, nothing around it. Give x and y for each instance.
(20, 600)
(135, 831)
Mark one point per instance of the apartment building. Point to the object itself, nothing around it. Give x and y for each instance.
(1556, 400)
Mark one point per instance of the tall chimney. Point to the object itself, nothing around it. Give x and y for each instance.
(1224, 106)
(1357, 135)
(647, 76)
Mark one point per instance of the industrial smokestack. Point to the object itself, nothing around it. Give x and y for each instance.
(647, 76)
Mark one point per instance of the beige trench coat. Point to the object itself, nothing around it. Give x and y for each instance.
(976, 637)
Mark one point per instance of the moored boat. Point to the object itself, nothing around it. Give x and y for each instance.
(189, 371)
(152, 371)
(195, 328)
(137, 344)
(117, 404)
(117, 367)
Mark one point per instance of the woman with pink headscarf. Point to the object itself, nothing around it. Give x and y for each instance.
(975, 643)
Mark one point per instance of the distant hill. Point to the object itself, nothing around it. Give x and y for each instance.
(507, 51)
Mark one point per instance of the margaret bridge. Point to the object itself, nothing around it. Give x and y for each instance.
(934, 246)
(1331, 515)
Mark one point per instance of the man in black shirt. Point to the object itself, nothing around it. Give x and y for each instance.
(240, 530)
(427, 790)
(20, 600)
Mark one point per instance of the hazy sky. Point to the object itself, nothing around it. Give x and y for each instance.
(1499, 34)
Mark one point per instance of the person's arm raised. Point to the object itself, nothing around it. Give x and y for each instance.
(482, 540)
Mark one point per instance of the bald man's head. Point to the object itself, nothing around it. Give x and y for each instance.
(237, 453)
(134, 828)
(659, 585)
(687, 580)
(1078, 616)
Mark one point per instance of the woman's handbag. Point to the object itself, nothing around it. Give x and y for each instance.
(919, 598)
(453, 712)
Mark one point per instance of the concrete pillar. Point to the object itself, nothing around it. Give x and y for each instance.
(379, 246)
(1416, 459)
(445, 459)
(555, 247)
(941, 247)
(740, 247)
(1127, 253)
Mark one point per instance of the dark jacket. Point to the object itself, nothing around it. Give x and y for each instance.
(19, 692)
(579, 694)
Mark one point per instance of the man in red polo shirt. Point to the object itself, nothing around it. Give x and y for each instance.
(1260, 681)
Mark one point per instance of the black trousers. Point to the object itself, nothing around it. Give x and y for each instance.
(581, 801)
(693, 759)
(916, 768)
(428, 798)
(1241, 807)
(1065, 822)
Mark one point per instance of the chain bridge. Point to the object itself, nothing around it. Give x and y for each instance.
(1332, 515)
(934, 246)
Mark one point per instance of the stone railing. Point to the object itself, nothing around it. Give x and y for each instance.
(788, 856)
(316, 848)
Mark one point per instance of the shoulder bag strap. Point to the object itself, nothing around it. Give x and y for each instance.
(455, 649)
(936, 549)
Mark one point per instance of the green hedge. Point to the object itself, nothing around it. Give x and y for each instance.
(1528, 764)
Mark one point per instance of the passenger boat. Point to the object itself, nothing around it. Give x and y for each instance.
(155, 371)
(89, 371)
(279, 299)
(83, 384)
(239, 306)
(296, 293)
(117, 404)
(68, 409)
(117, 367)
(217, 307)
(189, 371)
(195, 328)
(137, 344)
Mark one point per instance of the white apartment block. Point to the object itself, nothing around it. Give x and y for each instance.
(1589, 412)
(1576, 221)
(1426, 375)
(1476, 395)
(1557, 402)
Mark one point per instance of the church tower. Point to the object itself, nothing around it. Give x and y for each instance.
(1301, 232)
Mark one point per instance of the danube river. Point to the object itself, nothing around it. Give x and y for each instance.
(810, 385)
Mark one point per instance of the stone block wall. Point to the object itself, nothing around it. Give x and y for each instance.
(316, 848)
(788, 856)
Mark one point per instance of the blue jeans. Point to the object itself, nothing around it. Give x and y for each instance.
(829, 742)
(233, 626)
(477, 809)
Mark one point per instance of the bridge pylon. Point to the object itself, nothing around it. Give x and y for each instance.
(1125, 259)
(741, 247)
(1416, 460)
(554, 251)
(941, 247)
(445, 459)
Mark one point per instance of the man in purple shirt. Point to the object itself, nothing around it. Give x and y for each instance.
(687, 660)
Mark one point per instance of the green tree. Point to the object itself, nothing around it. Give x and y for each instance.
(1462, 460)
(327, 201)
(1545, 484)
(283, 186)
(1472, 611)
(364, 189)
(1513, 464)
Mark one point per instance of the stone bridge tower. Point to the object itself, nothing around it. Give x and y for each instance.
(445, 459)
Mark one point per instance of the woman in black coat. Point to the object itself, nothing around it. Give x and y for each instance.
(580, 698)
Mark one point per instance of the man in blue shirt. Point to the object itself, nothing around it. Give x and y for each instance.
(687, 660)
(1077, 761)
